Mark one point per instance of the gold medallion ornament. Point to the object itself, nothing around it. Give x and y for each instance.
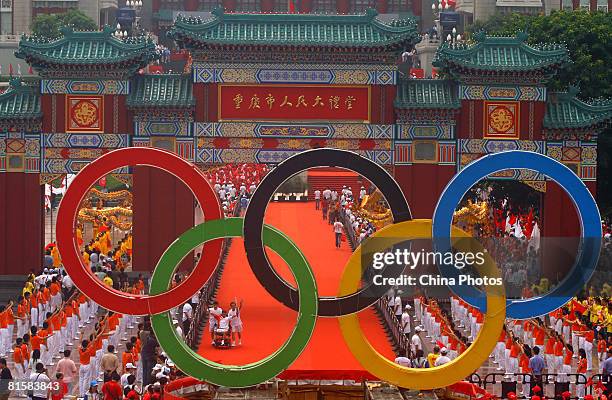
(85, 113)
(501, 119)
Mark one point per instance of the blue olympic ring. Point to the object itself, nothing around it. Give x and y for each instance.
(588, 213)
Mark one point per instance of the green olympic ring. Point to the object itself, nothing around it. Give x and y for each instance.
(252, 374)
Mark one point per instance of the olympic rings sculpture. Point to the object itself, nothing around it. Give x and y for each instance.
(350, 299)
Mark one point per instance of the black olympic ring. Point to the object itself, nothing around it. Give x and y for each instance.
(329, 306)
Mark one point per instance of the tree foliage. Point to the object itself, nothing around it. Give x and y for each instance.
(49, 25)
(588, 37)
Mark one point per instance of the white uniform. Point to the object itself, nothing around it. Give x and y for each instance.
(236, 322)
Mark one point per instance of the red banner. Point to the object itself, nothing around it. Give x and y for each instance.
(294, 103)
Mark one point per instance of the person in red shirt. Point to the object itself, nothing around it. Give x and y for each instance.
(558, 351)
(58, 387)
(112, 389)
(581, 369)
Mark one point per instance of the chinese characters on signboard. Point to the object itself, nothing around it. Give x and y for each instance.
(294, 102)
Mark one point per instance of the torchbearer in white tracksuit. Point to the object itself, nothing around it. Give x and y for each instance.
(235, 321)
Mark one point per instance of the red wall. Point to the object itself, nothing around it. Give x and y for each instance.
(21, 228)
(422, 185)
(163, 209)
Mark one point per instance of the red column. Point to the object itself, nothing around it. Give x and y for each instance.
(267, 5)
(575, 4)
(229, 5)
(21, 230)
(155, 5)
(422, 185)
(163, 210)
(609, 5)
(416, 8)
(593, 5)
(192, 5)
(381, 6)
(343, 6)
(306, 6)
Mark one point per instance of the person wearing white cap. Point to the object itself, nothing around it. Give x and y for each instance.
(405, 320)
(415, 341)
(443, 359)
(130, 369)
(397, 304)
(179, 330)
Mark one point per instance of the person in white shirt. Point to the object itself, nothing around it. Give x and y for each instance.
(362, 193)
(405, 320)
(213, 313)
(334, 195)
(130, 369)
(235, 322)
(338, 228)
(397, 303)
(443, 359)
(317, 196)
(415, 341)
(224, 327)
(403, 360)
(40, 382)
(187, 315)
(179, 330)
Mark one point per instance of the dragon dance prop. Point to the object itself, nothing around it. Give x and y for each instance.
(373, 208)
(124, 195)
(114, 216)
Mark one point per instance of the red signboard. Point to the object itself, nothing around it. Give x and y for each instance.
(294, 103)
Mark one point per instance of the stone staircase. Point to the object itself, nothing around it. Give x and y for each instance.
(10, 287)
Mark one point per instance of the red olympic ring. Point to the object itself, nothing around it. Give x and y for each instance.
(82, 276)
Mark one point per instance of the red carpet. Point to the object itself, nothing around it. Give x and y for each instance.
(267, 323)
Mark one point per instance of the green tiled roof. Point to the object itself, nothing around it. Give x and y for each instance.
(426, 93)
(19, 101)
(89, 48)
(491, 53)
(565, 111)
(163, 90)
(295, 30)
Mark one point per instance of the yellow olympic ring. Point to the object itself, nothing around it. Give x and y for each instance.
(428, 378)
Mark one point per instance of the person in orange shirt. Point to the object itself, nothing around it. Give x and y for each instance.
(5, 338)
(20, 363)
(10, 320)
(524, 368)
(558, 351)
(86, 352)
(566, 368)
(22, 316)
(55, 292)
(140, 284)
(549, 354)
(513, 363)
(127, 356)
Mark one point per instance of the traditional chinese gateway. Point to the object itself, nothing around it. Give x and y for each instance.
(264, 87)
